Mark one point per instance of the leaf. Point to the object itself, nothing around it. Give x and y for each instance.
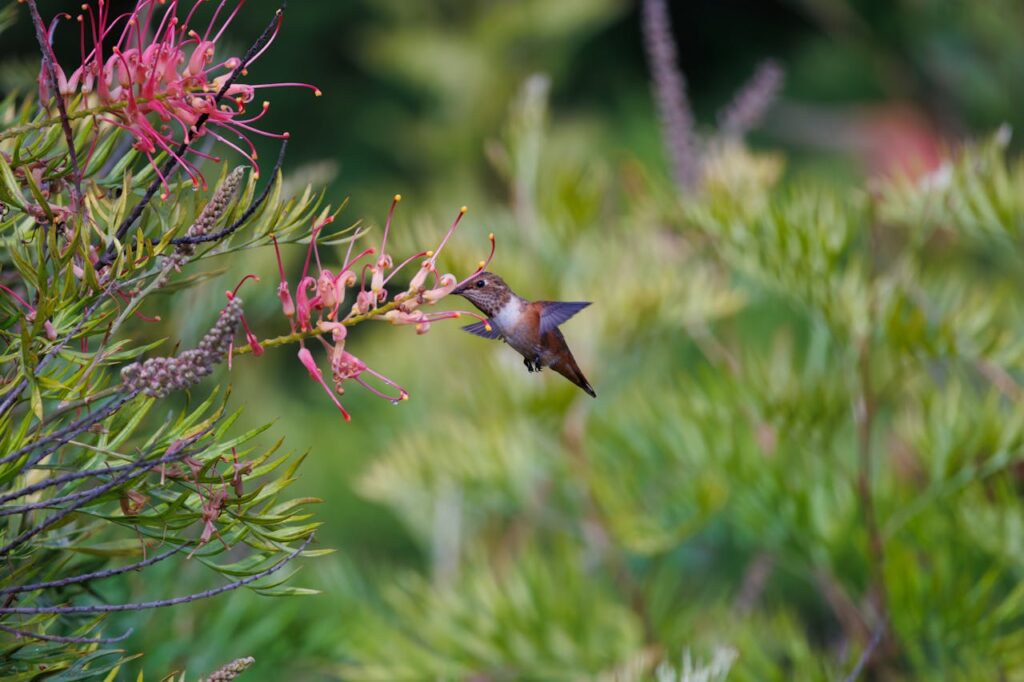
(287, 591)
(10, 193)
(126, 547)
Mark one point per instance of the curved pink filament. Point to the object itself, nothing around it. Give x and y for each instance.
(401, 265)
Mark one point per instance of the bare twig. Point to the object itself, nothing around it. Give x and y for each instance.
(160, 603)
(97, 575)
(865, 656)
(66, 433)
(60, 480)
(50, 66)
(175, 451)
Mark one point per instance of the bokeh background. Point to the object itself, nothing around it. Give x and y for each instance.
(500, 524)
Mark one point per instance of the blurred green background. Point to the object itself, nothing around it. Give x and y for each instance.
(538, 116)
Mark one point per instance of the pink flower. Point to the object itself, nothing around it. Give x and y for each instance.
(306, 358)
(429, 266)
(162, 77)
(347, 366)
(287, 305)
(418, 294)
(422, 320)
(304, 305)
(384, 261)
(250, 338)
(314, 310)
(326, 292)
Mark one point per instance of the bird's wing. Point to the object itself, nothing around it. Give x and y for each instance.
(554, 313)
(484, 329)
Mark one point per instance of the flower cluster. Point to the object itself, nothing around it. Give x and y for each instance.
(159, 377)
(161, 81)
(210, 215)
(317, 306)
(231, 670)
(751, 102)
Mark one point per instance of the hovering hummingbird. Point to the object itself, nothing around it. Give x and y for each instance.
(530, 327)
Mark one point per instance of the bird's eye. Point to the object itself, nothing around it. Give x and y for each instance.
(481, 283)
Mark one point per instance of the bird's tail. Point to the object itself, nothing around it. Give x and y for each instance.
(568, 368)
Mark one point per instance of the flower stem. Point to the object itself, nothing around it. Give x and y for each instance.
(302, 336)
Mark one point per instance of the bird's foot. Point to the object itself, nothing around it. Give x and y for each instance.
(529, 365)
(537, 366)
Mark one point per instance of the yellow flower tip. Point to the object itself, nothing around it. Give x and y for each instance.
(457, 315)
(481, 264)
(79, 18)
(491, 236)
(266, 104)
(397, 198)
(487, 327)
(256, 175)
(164, 196)
(317, 92)
(405, 396)
(245, 72)
(463, 209)
(429, 254)
(255, 156)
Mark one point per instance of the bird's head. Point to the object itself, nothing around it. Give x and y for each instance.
(485, 290)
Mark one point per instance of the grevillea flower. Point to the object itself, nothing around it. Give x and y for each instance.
(161, 79)
(345, 366)
(161, 376)
(322, 294)
(315, 306)
(250, 337)
(306, 358)
(418, 294)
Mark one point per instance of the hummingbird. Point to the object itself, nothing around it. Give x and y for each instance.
(530, 327)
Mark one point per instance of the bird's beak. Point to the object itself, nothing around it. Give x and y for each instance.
(459, 289)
